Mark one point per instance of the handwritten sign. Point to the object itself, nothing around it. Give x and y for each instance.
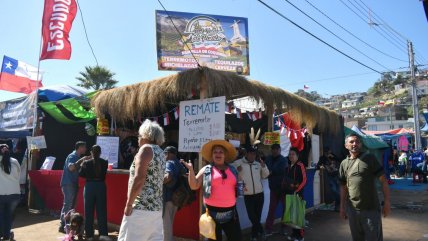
(36, 142)
(109, 148)
(200, 122)
(271, 138)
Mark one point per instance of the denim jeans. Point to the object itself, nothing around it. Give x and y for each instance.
(70, 194)
(8, 204)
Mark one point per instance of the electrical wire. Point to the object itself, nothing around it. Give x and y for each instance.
(366, 16)
(86, 33)
(316, 37)
(362, 18)
(395, 31)
(331, 78)
(359, 51)
(394, 34)
(349, 32)
(181, 35)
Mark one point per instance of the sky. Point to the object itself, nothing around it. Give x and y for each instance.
(123, 36)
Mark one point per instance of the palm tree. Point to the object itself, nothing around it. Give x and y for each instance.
(97, 78)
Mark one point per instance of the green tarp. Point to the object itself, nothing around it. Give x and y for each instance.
(68, 111)
(369, 142)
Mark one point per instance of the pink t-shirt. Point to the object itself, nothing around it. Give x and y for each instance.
(223, 191)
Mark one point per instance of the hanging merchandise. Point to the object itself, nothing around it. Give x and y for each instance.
(103, 127)
(90, 129)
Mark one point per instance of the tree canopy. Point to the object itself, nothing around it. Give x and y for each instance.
(96, 78)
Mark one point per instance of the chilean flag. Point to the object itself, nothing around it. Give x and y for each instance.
(17, 76)
(166, 119)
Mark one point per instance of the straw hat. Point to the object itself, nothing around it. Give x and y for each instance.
(207, 149)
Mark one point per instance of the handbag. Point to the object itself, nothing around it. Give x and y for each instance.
(207, 226)
(294, 214)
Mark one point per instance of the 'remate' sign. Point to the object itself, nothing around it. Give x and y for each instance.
(200, 122)
(58, 17)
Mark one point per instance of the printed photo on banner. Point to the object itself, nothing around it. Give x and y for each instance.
(271, 138)
(218, 42)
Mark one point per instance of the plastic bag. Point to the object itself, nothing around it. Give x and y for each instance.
(294, 214)
(207, 226)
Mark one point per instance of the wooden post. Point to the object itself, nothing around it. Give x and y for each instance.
(269, 113)
(203, 94)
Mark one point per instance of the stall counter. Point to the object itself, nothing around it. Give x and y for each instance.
(47, 185)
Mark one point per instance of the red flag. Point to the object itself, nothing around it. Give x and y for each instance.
(58, 17)
(177, 113)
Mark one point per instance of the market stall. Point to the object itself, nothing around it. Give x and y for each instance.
(160, 99)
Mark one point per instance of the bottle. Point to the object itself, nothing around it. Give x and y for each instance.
(240, 188)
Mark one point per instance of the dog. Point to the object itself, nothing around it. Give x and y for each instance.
(74, 225)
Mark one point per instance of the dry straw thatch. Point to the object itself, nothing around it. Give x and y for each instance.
(154, 97)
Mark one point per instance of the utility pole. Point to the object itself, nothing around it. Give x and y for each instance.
(417, 129)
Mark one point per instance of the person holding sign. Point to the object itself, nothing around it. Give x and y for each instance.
(219, 181)
(142, 218)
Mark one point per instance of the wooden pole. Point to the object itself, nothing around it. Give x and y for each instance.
(203, 94)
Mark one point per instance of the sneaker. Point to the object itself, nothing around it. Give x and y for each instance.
(268, 233)
(104, 238)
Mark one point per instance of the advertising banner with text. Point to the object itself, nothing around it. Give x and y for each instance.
(200, 122)
(18, 114)
(218, 42)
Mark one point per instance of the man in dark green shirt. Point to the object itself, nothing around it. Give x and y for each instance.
(359, 200)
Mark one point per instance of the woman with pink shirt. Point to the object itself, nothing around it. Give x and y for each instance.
(219, 181)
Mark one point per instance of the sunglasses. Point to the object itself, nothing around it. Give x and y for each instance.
(223, 174)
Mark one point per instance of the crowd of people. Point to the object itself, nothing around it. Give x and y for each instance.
(155, 174)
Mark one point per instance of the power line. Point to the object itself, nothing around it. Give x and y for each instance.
(359, 51)
(402, 45)
(316, 37)
(332, 78)
(349, 32)
(86, 33)
(394, 34)
(181, 35)
(362, 18)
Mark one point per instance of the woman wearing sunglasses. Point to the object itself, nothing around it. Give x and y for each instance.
(219, 181)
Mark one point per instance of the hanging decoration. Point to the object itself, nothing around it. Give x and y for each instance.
(103, 127)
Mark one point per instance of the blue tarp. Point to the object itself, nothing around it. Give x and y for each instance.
(60, 92)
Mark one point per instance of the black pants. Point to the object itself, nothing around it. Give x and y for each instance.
(254, 205)
(232, 229)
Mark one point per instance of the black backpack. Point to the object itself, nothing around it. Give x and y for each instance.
(183, 194)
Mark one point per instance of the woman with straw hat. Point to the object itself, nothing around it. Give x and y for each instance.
(219, 181)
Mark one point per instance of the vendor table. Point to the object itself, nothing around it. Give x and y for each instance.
(47, 185)
(186, 223)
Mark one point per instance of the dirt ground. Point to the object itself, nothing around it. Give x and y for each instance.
(407, 222)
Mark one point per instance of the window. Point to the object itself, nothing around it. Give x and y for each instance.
(400, 126)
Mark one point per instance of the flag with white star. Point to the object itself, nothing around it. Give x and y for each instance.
(17, 76)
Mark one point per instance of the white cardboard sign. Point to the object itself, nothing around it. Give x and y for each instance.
(200, 122)
(109, 148)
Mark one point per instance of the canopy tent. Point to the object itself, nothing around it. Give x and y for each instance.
(154, 97)
(399, 131)
(70, 111)
(370, 142)
(60, 92)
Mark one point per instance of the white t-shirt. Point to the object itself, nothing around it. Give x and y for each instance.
(10, 182)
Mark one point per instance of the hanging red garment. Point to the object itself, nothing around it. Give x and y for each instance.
(296, 137)
(403, 143)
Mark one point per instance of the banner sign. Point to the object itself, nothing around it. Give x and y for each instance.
(271, 138)
(57, 19)
(109, 148)
(36, 142)
(218, 42)
(200, 122)
(18, 114)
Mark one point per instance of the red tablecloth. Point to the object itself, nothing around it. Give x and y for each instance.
(47, 184)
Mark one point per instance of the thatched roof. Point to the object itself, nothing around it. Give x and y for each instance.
(155, 97)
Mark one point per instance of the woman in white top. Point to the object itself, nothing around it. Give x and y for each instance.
(9, 190)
